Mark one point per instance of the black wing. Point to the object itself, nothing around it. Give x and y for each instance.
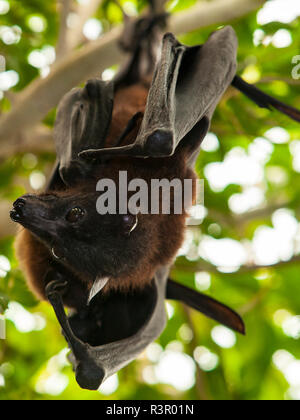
(264, 100)
(205, 304)
(83, 119)
(187, 85)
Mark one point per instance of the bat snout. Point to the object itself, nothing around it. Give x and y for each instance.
(17, 213)
(28, 209)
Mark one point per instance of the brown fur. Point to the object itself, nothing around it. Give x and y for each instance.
(165, 233)
(34, 259)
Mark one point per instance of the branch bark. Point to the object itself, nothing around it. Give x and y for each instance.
(43, 94)
(210, 13)
(84, 11)
(234, 221)
(62, 44)
(38, 140)
(206, 266)
(276, 78)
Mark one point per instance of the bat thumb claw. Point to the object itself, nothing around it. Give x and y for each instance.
(86, 154)
(160, 143)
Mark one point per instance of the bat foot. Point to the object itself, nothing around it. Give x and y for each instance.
(89, 375)
(55, 289)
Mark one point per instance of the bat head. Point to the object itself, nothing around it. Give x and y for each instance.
(120, 248)
(71, 228)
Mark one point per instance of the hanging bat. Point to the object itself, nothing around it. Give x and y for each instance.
(112, 269)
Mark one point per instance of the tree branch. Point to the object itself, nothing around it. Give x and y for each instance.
(234, 221)
(203, 265)
(287, 80)
(43, 94)
(261, 213)
(38, 140)
(210, 13)
(62, 45)
(84, 11)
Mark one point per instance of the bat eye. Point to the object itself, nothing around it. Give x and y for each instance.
(130, 222)
(75, 214)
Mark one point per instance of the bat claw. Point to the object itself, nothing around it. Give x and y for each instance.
(55, 288)
(86, 154)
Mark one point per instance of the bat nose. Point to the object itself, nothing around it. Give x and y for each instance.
(19, 203)
(18, 207)
(22, 208)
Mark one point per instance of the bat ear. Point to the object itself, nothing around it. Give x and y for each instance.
(187, 85)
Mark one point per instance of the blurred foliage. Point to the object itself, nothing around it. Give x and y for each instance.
(264, 297)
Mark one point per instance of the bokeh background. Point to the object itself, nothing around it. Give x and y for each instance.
(246, 253)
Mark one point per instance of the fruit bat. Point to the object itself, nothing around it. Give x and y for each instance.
(112, 270)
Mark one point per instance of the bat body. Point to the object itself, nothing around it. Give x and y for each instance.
(100, 243)
(112, 269)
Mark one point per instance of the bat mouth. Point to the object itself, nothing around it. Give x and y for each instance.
(17, 213)
(31, 212)
(113, 317)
